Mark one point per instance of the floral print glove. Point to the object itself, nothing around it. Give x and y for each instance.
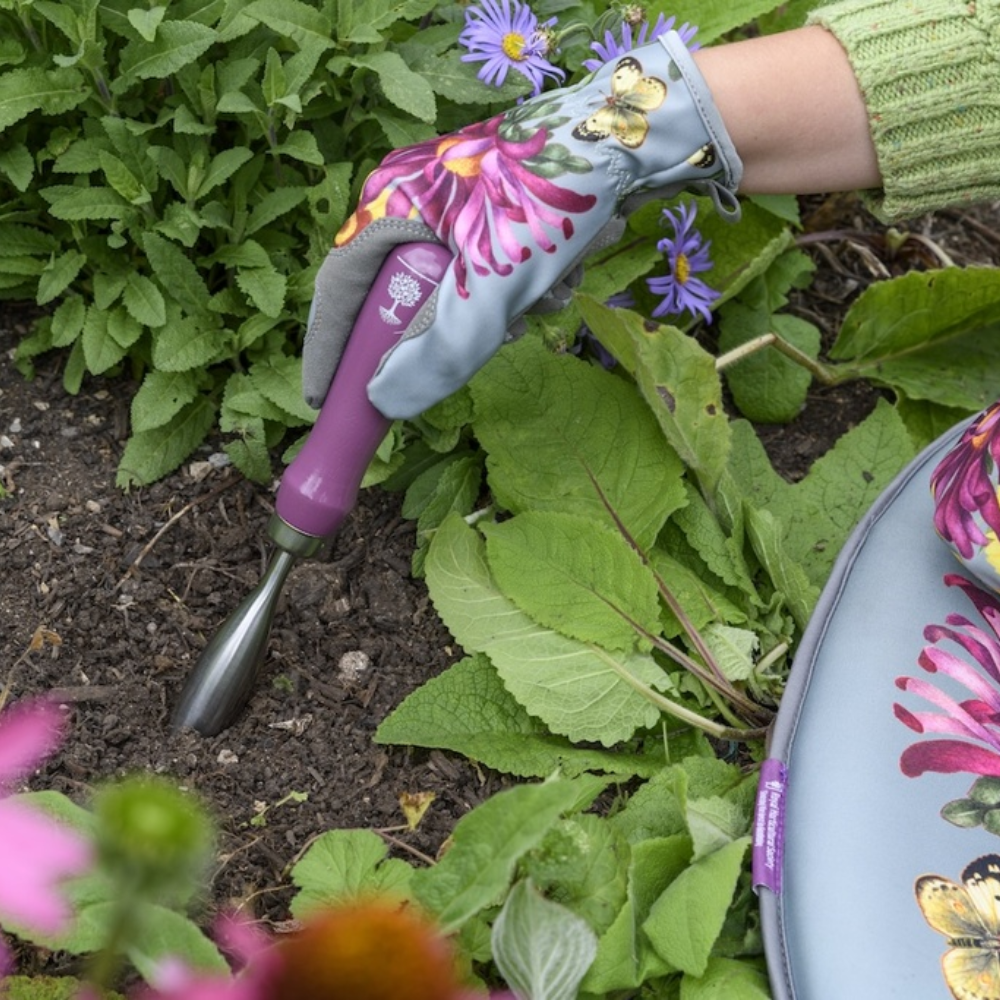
(520, 200)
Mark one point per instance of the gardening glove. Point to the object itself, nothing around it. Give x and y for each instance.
(520, 200)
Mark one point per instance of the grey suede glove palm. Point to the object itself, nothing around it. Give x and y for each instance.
(520, 200)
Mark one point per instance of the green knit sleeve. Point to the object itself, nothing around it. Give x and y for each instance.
(929, 71)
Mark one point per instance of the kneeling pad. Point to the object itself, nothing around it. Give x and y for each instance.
(876, 848)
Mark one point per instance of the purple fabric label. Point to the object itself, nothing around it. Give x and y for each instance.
(769, 826)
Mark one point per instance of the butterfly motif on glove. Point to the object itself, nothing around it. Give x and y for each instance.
(968, 915)
(623, 115)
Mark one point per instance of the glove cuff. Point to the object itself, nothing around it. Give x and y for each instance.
(658, 131)
(721, 188)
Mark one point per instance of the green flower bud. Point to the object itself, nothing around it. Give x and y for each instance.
(153, 837)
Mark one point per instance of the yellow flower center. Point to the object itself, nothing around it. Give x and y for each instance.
(513, 46)
(682, 269)
(463, 166)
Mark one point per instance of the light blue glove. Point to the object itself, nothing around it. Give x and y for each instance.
(520, 199)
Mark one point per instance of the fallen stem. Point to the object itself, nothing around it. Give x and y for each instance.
(678, 711)
(822, 373)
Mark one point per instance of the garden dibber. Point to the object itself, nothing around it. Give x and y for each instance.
(317, 491)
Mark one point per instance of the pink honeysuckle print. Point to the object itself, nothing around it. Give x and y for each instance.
(967, 729)
(36, 852)
(964, 485)
(471, 188)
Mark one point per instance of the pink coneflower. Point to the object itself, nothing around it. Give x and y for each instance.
(505, 35)
(36, 852)
(687, 256)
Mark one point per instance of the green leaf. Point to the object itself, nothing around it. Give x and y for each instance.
(222, 167)
(733, 649)
(400, 84)
(467, 710)
(144, 300)
(265, 288)
(155, 453)
(575, 689)
(272, 206)
(67, 320)
(625, 958)
(185, 343)
(302, 146)
(176, 273)
(341, 865)
(159, 933)
(487, 843)
(161, 397)
(280, 381)
(542, 949)
(767, 386)
(458, 82)
(77, 203)
(146, 21)
(574, 576)
(930, 334)
(684, 923)
(678, 381)
(726, 979)
(717, 17)
(822, 509)
(560, 432)
(18, 165)
(301, 22)
(58, 275)
(100, 349)
(177, 44)
(583, 864)
(53, 92)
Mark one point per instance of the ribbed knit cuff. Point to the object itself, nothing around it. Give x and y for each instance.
(929, 71)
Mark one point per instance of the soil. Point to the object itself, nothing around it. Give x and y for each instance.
(109, 597)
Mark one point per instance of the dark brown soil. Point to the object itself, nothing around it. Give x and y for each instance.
(109, 597)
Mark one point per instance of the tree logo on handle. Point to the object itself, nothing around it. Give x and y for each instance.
(404, 290)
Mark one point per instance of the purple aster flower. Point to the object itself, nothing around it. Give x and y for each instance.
(964, 486)
(687, 256)
(505, 34)
(970, 727)
(613, 47)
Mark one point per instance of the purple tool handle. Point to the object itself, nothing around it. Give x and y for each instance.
(320, 486)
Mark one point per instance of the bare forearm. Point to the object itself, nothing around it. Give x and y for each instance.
(794, 111)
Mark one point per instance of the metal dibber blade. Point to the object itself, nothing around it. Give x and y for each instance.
(226, 672)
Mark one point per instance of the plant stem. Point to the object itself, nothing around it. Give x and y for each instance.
(822, 373)
(665, 704)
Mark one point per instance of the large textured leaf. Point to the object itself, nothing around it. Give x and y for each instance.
(487, 843)
(935, 335)
(559, 432)
(177, 43)
(678, 381)
(541, 949)
(155, 453)
(574, 688)
(574, 576)
(820, 511)
(684, 923)
(469, 711)
(406, 89)
(23, 91)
